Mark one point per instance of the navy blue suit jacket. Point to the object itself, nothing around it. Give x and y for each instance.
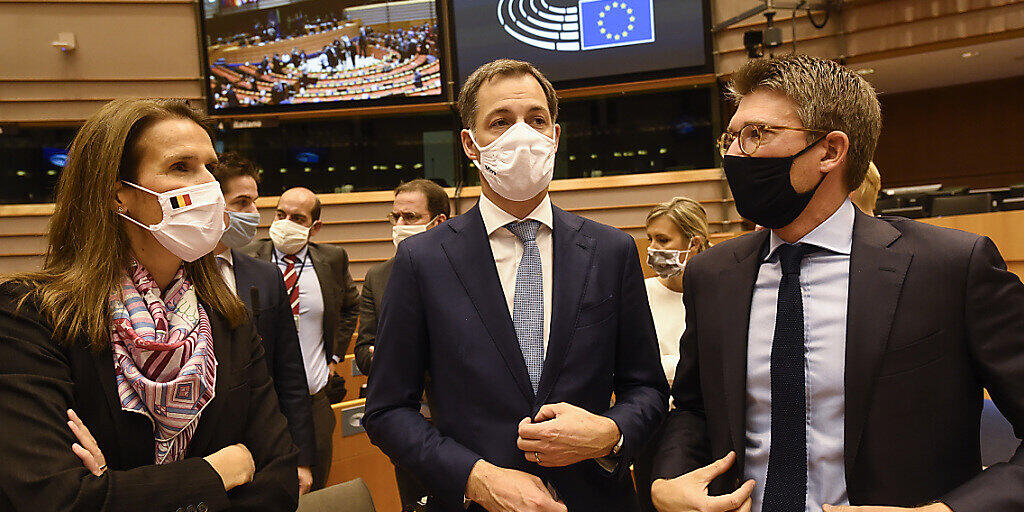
(276, 327)
(444, 314)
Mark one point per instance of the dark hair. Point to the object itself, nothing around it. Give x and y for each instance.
(231, 165)
(437, 199)
(502, 67)
(314, 214)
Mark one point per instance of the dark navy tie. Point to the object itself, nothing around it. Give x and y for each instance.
(785, 489)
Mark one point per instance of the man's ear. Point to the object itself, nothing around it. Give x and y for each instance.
(315, 228)
(558, 134)
(837, 144)
(468, 146)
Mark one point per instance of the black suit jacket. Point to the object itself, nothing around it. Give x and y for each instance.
(933, 317)
(444, 314)
(341, 298)
(42, 377)
(276, 327)
(370, 301)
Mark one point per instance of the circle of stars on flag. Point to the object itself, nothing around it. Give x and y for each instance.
(616, 35)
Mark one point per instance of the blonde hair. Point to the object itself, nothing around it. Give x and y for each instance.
(467, 102)
(828, 97)
(688, 215)
(866, 194)
(88, 248)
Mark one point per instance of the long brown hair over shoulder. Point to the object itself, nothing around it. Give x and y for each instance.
(88, 249)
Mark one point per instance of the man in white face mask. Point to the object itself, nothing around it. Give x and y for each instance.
(419, 205)
(324, 304)
(527, 319)
(260, 286)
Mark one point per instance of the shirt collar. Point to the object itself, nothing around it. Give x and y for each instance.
(301, 255)
(495, 218)
(835, 234)
(226, 256)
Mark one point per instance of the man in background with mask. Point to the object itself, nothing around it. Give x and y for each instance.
(419, 205)
(835, 358)
(527, 319)
(259, 285)
(324, 304)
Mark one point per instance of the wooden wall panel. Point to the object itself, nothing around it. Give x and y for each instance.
(963, 135)
(125, 49)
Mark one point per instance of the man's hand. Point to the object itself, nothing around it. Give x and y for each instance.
(563, 434)
(86, 448)
(689, 492)
(305, 479)
(934, 507)
(507, 490)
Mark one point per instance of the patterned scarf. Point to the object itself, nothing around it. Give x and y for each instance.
(163, 356)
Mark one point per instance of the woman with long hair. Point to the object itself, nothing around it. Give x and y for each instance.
(130, 376)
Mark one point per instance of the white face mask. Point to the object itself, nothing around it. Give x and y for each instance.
(241, 229)
(193, 219)
(666, 262)
(400, 232)
(288, 237)
(519, 164)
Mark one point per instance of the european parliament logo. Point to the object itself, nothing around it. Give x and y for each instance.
(589, 25)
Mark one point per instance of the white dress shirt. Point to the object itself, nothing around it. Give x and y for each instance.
(669, 322)
(824, 287)
(310, 321)
(508, 250)
(226, 264)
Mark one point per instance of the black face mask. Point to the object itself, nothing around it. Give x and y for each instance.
(762, 190)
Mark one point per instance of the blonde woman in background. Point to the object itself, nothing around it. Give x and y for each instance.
(677, 230)
(866, 195)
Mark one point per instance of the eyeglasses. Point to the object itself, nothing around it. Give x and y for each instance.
(408, 217)
(752, 135)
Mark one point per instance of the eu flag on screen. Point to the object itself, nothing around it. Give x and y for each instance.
(611, 23)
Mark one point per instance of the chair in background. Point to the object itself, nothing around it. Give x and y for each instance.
(351, 496)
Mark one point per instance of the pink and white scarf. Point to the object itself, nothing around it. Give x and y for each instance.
(163, 356)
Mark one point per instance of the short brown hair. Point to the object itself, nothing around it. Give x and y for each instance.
(828, 96)
(502, 67)
(232, 165)
(688, 215)
(437, 199)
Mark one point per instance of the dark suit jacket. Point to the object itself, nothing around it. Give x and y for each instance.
(444, 314)
(933, 318)
(341, 298)
(370, 301)
(276, 327)
(42, 377)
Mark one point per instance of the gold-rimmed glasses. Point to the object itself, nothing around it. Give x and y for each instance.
(752, 135)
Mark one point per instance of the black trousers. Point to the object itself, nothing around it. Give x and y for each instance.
(323, 431)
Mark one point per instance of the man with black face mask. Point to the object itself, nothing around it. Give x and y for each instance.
(835, 360)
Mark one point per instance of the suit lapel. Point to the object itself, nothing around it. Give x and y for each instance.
(876, 279)
(103, 363)
(222, 339)
(573, 254)
(735, 290)
(469, 253)
(243, 280)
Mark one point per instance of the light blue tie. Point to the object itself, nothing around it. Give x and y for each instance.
(528, 304)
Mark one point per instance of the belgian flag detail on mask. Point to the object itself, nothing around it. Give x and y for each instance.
(181, 201)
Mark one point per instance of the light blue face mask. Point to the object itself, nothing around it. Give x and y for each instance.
(241, 229)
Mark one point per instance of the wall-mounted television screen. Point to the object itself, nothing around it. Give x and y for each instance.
(274, 55)
(579, 41)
